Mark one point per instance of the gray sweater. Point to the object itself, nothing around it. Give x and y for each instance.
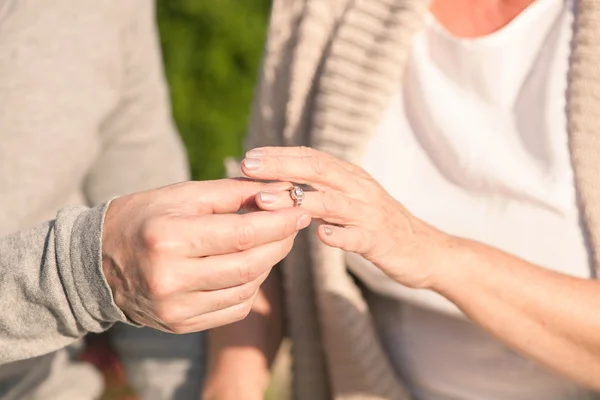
(84, 117)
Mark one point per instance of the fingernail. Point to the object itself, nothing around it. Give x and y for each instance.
(269, 197)
(255, 152)
(328, 230)
(303, 222)
(252, 163)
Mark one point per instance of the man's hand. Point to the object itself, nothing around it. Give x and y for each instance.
(179, 259)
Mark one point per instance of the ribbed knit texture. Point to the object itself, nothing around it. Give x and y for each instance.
(583, 115)
(330, 69)
(364, 61)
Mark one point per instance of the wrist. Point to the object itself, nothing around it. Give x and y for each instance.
(455, 261)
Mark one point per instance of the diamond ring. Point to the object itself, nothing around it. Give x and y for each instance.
(297, 194)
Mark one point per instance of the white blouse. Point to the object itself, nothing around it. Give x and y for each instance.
(475, 143)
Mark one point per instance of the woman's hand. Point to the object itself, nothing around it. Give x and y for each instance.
(359, 215)
(545, 315)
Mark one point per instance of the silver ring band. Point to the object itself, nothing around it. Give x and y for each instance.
(297, 194)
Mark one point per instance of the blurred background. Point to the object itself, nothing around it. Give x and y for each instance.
(212, 50)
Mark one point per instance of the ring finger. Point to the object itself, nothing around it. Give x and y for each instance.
(330, 206)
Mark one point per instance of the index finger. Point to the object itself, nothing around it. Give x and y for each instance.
(216, 234)
(224, 195)
(288, 151)
(304, 151)
(320, 172)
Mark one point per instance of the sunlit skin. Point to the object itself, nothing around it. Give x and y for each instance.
(474, 18)
(509, 285)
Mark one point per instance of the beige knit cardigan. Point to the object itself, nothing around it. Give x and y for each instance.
(329, 70)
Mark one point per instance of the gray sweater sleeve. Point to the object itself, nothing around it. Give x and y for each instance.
(52, 290)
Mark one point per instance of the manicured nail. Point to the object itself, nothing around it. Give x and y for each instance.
(328, 230)
(303, 222)
(252, 163)
(269, 197)
(255, 152)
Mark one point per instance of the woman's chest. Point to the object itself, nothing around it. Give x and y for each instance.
(492, 166)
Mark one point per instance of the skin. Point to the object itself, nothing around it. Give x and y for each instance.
(180, 260)
(473, 18)
(242, 372)
(545, 315)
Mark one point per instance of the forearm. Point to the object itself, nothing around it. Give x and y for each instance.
(241, 354)
(550, 317)
(52, 291)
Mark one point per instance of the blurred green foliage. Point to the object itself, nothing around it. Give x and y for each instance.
(212, 51)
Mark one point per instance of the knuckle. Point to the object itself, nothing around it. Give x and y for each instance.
(180, 329)
(161, 286)
(306, 151)
(156, 288)
(249, 270)
(166, 315)
(279, 165)
(332, 203)
(242, 311)
(155, 236)
(151, 234)
(317, 164)
(246, 291)
(245, 236)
